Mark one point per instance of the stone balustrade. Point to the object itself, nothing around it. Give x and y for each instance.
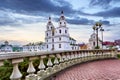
(56, 61)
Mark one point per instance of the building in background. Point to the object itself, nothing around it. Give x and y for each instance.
(6, 47)
(93, 42)
(109, 45)
(57, 38)
(34, 47)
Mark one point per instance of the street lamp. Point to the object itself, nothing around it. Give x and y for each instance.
(102, 35)
(96, 27)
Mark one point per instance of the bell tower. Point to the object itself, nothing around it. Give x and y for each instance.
(49, 34)
(62, 21)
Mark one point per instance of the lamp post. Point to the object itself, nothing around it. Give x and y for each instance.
(96, 27)
(102, 35)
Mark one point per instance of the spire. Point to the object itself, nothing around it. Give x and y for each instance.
(49, 20)
(62, 16)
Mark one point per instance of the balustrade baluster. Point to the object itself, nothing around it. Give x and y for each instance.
(31, 70)
(61, 61)
(49, 70)
(16, 74)
(42, 67)
(56, 62)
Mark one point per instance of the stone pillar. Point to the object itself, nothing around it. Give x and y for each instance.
(49, 70)
(42, 67)
(56, 66)
(61, 61)
(16, 74)
(31, 70)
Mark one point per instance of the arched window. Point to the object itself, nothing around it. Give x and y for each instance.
(93, 43)
(52, 40)
(59, 45)
(65, 31)
(47, 34)
(59, 38)
(47, 46)
(60, 31)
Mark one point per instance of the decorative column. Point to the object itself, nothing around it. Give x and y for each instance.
(61, 61)
(71, 56)
(56, 62)
(79, 54)
(69, 59)
(77, 57)
(49, 70)
(65, 59)
(31, 70)
(42, 67)
(16, 74)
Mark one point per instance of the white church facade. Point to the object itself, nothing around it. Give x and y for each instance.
(57, 38)
(93, 41)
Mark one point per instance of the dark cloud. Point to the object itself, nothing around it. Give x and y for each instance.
(105, 22)
(101, 3)
(115, 12)
(83, 21)
(46, 6)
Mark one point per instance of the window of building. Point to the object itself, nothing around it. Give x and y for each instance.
(47, 34)
(93, 43)
(60, 31)
(52, 40)
(72, 48)
(60, 23)
(59, 45)
(53, 47)
(65, 31)
(59, 38)
(47, 40)
(47, 46)
(52, 33)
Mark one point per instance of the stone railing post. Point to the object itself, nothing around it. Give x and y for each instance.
(79, 55)
(61, 56)
(31, 70)
(72, 58)
(16, 74)
(49, 70)
(42, 67)
(56, 63)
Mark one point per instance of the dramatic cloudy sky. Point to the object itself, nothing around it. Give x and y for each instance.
(25, 20)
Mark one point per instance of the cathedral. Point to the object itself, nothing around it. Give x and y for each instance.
(57, 38)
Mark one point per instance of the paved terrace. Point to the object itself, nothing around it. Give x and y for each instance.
(96, 70)
(61, 60)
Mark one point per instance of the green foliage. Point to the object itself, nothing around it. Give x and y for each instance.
(97, 47)
(118, 56)
(6, 70)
